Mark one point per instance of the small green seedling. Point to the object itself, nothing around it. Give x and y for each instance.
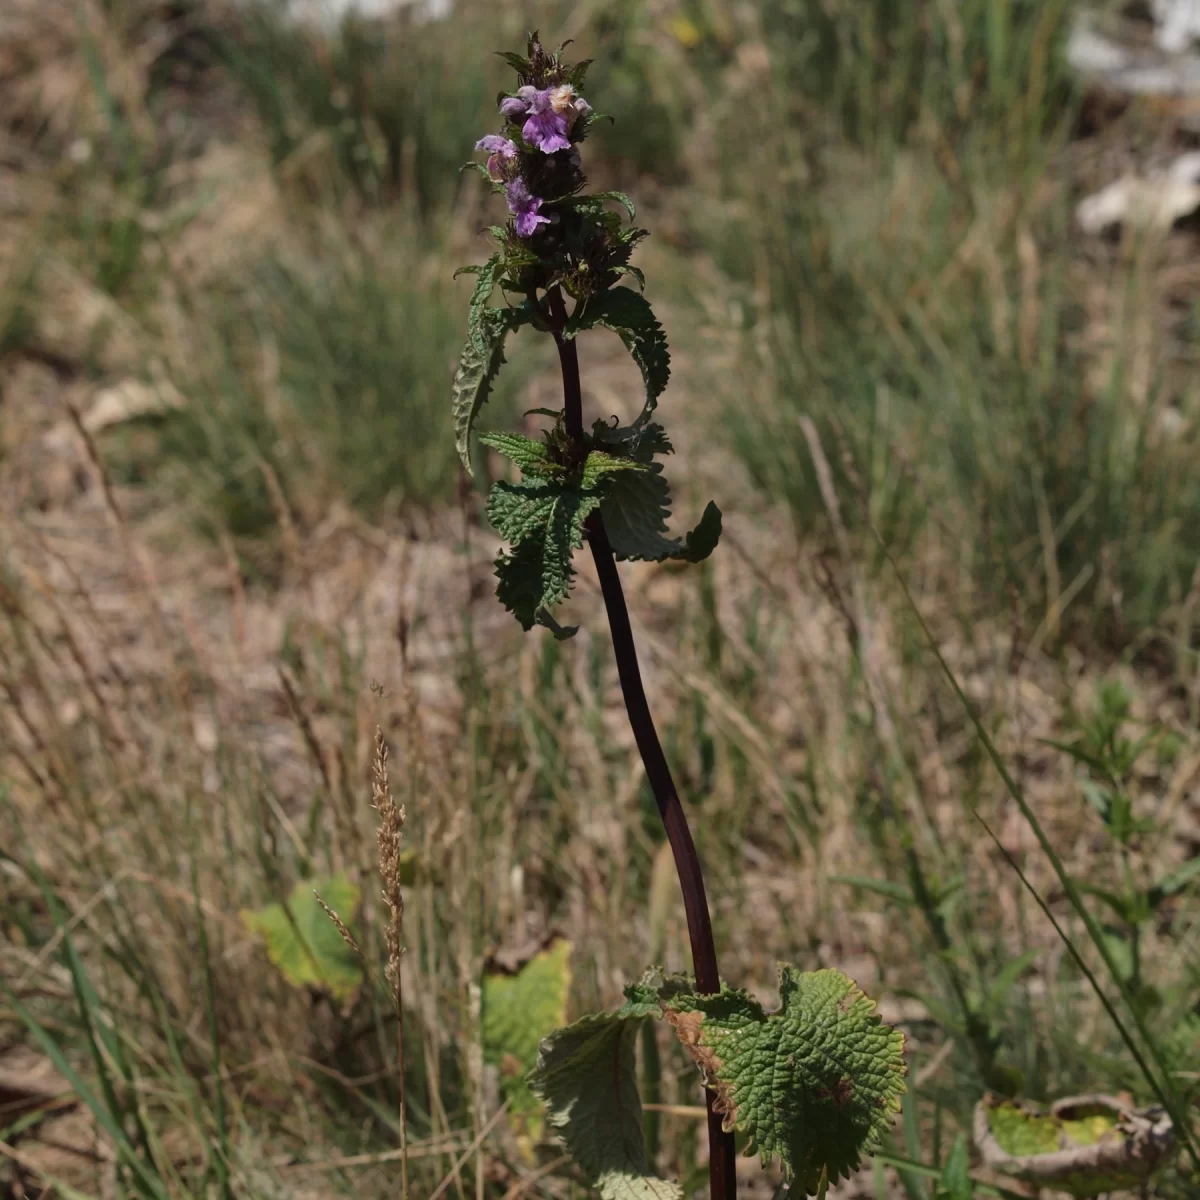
(1108, 759)
(816, 1082)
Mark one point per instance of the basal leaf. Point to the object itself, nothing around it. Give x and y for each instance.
(629, 315)
(481, 359)
(586, 1076)
(304, 943)
(635, 510)
(518, 1011)
(815, 1083)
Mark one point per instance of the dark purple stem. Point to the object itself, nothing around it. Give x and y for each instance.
(722, 1152)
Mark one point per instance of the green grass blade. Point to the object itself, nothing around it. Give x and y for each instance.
(210, 1004)
(1164, 1089)
(100, 1110)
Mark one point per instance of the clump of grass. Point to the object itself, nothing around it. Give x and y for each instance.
(917, 288)
(317, 385)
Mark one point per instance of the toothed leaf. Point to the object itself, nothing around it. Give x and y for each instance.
(620, 199)
(629, 315)
(485, 284)
(519, 579)
(816, 1083)
(530, 454)
(599, 466)
(543, 519)
(518, 509)
(481, 359)
(636, 272)
(586, 1076)
(635, 510)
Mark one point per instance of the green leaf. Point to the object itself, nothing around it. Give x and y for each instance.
(544, 521)
(304, 943)
(518, 64)
(635, 511)
(516, 510)
(629, 315)
(1175, 882)
(518, 1011)
(996, 1000)
(955, 1183)
(617, 197)
(519, 579)
(636, 272)
(564, 536)
(484, 286)
(530, 454)
(600, 465)
(586, 1076)
(817, 1083)
(476, 166)
(881, 887)
(700, 542)
(480, 362)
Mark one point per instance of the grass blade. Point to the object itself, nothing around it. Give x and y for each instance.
(1164, 1089)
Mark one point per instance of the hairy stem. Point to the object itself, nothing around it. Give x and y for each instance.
(722, 1153)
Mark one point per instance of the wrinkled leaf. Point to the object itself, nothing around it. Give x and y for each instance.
(478, 365)
(629, 315)
(816, 1083)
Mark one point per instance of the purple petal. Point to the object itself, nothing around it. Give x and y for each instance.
(582, 106)
(517, 193)
(527, 223)
(512, 107)
(495, 144)
(547, 131)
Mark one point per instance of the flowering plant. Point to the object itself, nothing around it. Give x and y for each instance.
(817, 1081)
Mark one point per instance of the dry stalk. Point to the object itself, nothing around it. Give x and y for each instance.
(391, 823)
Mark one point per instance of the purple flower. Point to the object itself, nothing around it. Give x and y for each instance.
(524, 206)
(547, 131)
(502, 155)
(546, 126)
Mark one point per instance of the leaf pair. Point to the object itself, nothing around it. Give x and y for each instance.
(815, 1083)
(543, 519)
